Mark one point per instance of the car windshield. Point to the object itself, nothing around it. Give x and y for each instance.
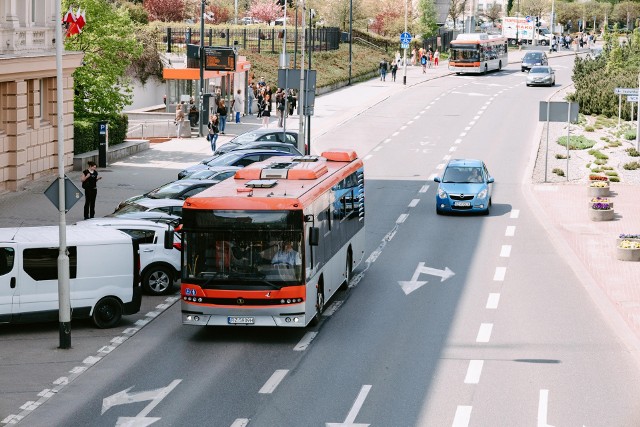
(169, 191)
(462, 174)
(224, 159)
(533, 56)
(539, 70)
(133, 207)
(245, 137)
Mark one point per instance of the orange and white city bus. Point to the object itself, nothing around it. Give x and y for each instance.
(478, 53)
(271, 245)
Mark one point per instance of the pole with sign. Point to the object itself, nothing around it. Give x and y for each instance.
(405, 39)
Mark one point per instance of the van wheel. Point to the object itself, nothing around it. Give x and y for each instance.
(319, 305)
(107, 313)
(157, 280)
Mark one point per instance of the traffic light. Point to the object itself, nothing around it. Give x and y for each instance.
(538, 23)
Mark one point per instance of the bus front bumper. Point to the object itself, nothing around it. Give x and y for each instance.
(198, 316)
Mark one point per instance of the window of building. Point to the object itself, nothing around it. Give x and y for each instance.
(42, 263)
(3, 106)
(34, 99)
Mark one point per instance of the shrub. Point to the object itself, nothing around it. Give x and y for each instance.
(630, 135)
(610, 173)
(598, 155)
(558, 171)
(614, 179)
(560, 156)
(633, 152)
(86, 132)
(614, 144)
(600, 161)
(631, 166)
(589, 129)
(576, 142)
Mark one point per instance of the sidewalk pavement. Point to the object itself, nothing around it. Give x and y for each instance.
(589, 247)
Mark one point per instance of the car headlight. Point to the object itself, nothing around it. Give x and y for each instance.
(441, 193)
(482, 194)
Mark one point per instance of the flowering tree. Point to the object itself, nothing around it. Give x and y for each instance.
(265, 10)
(165, 10)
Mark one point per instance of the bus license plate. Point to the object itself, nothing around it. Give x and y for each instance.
(465, 204)
(233, 320)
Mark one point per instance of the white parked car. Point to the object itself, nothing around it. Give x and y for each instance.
(159, 266)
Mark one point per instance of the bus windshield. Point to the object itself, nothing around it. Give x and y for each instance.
(243, 249)
(463, 53)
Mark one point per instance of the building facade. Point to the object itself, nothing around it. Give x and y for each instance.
(28, 108)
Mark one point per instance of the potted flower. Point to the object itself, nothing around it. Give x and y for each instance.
(594, 177)
(599, 188)
(601, 200)
(601, 211)
(628, 250)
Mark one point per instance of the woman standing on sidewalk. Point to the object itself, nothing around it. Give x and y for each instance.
(213, 131)
(266, 113)
(179, 119)
(222, 113)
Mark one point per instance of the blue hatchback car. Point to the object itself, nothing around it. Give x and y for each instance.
(465, 186)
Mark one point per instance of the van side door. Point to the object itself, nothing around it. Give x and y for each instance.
(9, 294)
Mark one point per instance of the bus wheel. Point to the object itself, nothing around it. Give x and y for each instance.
(107, 313)
(347, 272)
(319, 305)
(500, 66)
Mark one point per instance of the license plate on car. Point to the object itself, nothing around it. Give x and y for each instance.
(462, 204)
(236, 320)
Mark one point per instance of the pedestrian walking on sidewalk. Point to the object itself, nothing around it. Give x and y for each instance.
(90, 180)
(423, 62)
(214, 129)
(237, 105)
(222, 114)
(383, 69)
(179, 120)
(266, 114)
(436, 57)
(394, 71)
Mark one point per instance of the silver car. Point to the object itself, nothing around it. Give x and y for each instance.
(541, 76)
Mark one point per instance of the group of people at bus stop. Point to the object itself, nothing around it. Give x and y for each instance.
(427, 58)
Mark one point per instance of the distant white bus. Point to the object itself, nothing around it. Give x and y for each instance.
(478, 53)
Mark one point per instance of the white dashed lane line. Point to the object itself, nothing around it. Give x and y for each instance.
(305, 341)
(273, 381)
(484, 333)
(498, 276)
(414, 203)
(505, 251)
(510, 231)
(463, 416)
(493, 301)
(473, 372)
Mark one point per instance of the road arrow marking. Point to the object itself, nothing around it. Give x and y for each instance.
(414, 283)
(135, 421)
(353, 413)
(124, 397)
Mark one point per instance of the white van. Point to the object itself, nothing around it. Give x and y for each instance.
(103, 271)
(159, 262)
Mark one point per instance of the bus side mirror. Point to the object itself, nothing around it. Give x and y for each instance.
(314, 236)
(168, 238)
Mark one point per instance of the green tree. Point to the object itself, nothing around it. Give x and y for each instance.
(427, 18)
(102, 87)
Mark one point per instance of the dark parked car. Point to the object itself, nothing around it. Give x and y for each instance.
(133, 210)
(180, 190)
(263, 135)
(534, 57)
(239, 158)
(215, 172)
(265, 145)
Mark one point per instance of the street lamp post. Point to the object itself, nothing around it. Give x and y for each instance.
(201, 97)
(404, 74)
(350, 35)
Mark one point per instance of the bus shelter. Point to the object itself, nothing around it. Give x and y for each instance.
(183, 85)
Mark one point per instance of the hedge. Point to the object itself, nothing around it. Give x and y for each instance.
(85, 132)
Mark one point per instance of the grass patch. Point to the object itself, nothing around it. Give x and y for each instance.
(600, 162)
(596, 170)
(558, 171)
(576, 142)
(598, 155)
(614, 144)
(614, 179)
(631, 166)
(606, 168)
(630, 135)
(632, 152)
(610, 173)
(560, 156)
(589, 129)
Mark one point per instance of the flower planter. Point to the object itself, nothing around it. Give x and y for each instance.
(628, 249)
(601, 214)
(600, 200)
(598, 191)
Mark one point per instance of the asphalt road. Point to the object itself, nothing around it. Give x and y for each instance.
(511, 339)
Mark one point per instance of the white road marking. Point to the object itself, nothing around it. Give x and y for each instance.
(484, 333)
(240, 422)
(45, 393)
(12, 419)
(273, 382)
(515, 213)
(409, 122)
(498, 276)
(476, 117)
(91, 360)
(118, 340)
(106, 349)
(424, 188)
(305, 341)
(395, 134)
(471, 123)
(463, 134)
(432, 176)
(367, 157)
(78, 369)
(416, 117)
(142, 322)
(377, 149)
(403, 127)
(414, 203)
(492, 301)
(453, 149)
(440, 166)
(463, 415)
(332, 308)
(61, 381)
(152, 314)
(505, 252)
(457, 141)
(543, 406)
(357, 405)
(401, 218)
(480, 112)
(510, 231)
(130, 331)
(473, 372)
(29, 405)
(386, 140)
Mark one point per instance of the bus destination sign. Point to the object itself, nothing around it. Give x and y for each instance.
(219, 59)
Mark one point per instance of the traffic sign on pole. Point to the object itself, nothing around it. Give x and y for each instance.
(625, 91)
(632, 98)
(405, 38)
(404, 46)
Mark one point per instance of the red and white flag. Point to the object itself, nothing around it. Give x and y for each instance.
(69, 17)
(81, 20)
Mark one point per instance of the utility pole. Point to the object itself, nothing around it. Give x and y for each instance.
(284, 63)
(201, 97)
(64, 288)
(404, 69)
(350, 35)
(301, 94)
